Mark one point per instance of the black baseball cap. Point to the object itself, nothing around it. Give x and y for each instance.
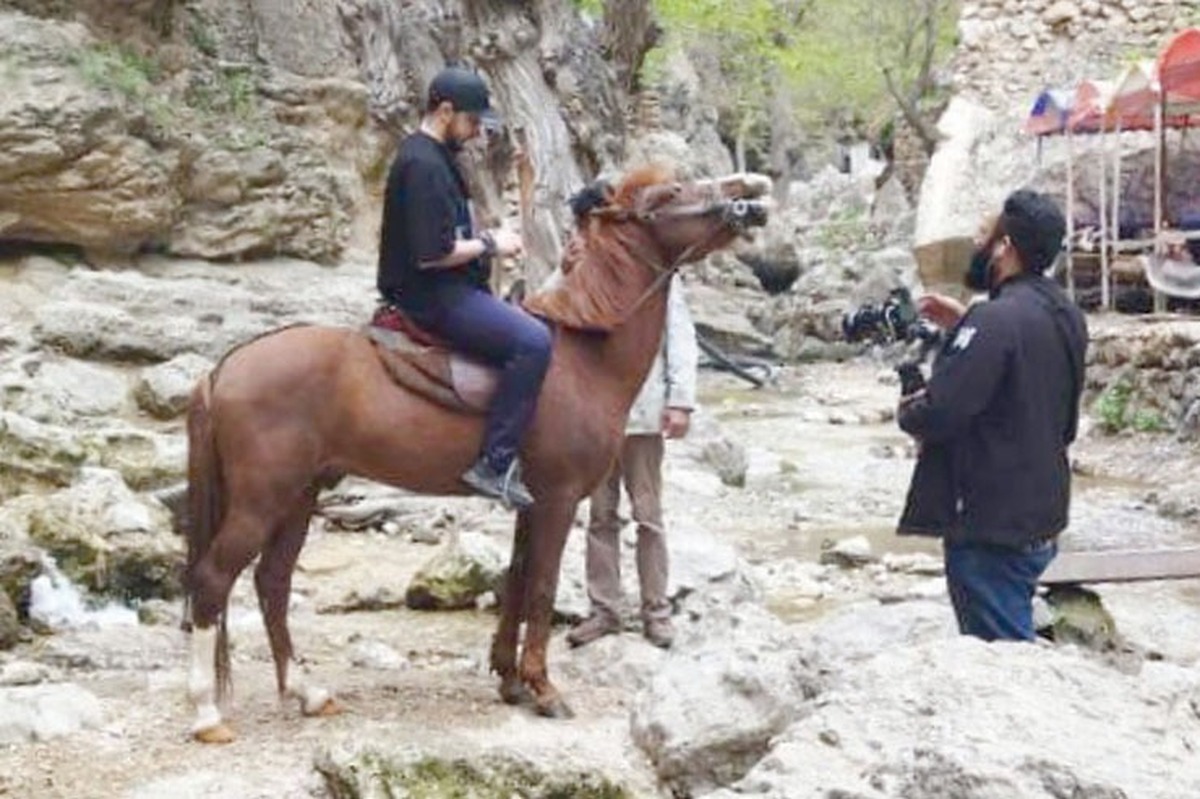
(1035, 226)
(466, 92)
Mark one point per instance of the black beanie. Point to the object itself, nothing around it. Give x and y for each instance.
(1035, 226)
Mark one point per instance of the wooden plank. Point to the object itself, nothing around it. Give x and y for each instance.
(1120, 566)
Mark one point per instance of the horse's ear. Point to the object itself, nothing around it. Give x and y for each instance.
(655, 197)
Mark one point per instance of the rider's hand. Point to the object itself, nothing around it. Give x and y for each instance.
(943, 311)
(508, 243)
(675, 422)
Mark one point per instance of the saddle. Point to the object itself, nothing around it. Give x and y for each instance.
(425, 365)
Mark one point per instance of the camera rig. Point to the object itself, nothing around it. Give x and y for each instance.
(896, 325)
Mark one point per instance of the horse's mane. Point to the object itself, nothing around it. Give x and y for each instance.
(600, 279)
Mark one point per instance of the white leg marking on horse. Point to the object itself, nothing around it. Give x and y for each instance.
(312, 698)
(202, 679)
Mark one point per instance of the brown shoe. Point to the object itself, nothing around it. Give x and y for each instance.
(659, 632)
(595, 626)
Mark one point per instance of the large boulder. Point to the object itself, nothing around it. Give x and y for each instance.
(163, 391)
(378, 772)
(120, 148)
(168, 309)
(958, 717)
(73, 167)
(957, 194)
(467, 568)
(60, 390)
(108, 539)
(710, 712)
(42, 712)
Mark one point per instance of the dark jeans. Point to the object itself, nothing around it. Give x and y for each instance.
(474, 322)
(992, 588)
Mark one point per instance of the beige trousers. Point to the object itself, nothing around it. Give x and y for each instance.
(639, 467)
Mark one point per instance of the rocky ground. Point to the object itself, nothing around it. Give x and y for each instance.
(816, 655)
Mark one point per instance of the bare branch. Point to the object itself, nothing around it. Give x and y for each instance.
(912, 114)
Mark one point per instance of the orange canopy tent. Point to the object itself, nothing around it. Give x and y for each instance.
(1179, 74)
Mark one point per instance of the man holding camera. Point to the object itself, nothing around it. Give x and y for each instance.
(995, 421)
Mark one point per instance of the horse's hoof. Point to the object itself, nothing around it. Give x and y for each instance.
(555, 709)
(330, 707)
(515, 693)
(217, 734)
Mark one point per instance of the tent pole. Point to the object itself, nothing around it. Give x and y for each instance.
(1105, 289)
(1116, 189)
(1070, 215)
(1160, 301)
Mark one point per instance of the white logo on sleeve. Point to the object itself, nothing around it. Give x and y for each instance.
(963, 339)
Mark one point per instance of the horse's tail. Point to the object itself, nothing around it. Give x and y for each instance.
(205, 507)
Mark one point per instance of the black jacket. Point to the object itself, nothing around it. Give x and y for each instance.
(997, 417)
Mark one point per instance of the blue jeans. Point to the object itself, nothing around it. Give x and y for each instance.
(476, 323)
(992, 588)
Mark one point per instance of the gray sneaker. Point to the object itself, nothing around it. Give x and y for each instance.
(659, 632)
(593, 627)
(506, 487)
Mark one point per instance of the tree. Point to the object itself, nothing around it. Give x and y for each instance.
(911, 34)
(829, 61)
(630, 31)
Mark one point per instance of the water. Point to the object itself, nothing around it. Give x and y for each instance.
(58, 604)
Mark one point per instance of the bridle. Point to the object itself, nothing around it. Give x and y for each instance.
(734, 213)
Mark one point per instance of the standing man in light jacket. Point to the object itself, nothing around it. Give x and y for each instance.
(662, 409)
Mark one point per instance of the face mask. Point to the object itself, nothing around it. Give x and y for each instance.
(979, 273)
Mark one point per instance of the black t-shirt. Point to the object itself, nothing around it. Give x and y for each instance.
(425, 210)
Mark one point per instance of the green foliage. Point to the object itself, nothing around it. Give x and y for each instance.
(117, 69)
(1145, 421)
(227, 94)
(434, 778)
(848, 229)
(825, 58)
(1115, 411)
(593, 7)
(1112, 406)
(199, 32)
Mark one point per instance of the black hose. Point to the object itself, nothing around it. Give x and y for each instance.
(742, 366)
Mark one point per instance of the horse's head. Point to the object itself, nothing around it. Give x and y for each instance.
(683, 221)
(634, 235)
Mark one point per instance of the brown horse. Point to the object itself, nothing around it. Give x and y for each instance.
(291, 412)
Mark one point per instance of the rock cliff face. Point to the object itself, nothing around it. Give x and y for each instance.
(1009, 50)
(234, 129)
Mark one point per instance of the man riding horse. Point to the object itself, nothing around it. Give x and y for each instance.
(291, 412)
(434, 267)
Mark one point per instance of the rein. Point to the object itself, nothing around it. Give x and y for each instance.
(663, 273)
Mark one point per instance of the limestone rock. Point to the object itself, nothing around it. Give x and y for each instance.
(468, 567)
(42, 712)
(1061, 13)
(709, 713)
(1059, 724)
(10, 623)
(108, 539)
(35, 456)
(61, 390)
(375, 772)
(163, 391)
